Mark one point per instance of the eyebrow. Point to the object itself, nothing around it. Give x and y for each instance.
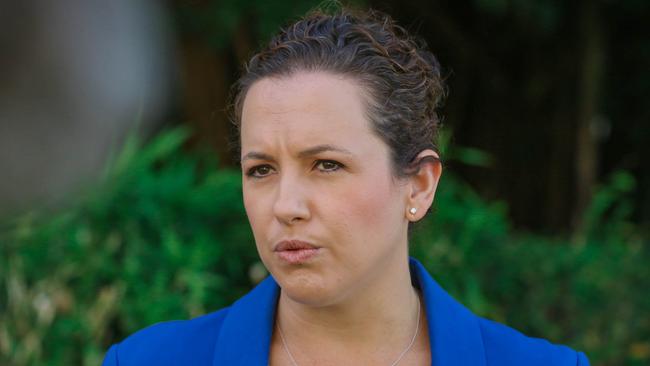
(315, 150)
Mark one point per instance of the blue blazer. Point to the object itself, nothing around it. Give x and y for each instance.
(241, 335)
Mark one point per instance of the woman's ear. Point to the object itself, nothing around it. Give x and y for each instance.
(423, 183)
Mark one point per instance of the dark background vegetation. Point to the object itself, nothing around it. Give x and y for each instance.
(552, 91)
(541, 221)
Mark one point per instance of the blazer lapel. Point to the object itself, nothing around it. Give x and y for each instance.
(454, 333)
(245, 336)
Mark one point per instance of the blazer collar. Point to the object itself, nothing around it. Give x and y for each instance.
(454, 333)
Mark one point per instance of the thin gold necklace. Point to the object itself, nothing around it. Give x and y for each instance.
(415, 334)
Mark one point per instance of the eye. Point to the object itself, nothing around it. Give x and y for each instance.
(259, 171)
(328, 166)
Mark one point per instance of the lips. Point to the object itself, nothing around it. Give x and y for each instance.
(295, 251)
(293, 245)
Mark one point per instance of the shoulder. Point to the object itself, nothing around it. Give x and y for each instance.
(506, 346)
(181, 342)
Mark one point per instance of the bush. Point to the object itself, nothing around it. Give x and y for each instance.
(590, 292)
(166, 237)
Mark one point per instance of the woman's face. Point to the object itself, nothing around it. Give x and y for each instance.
(327, 215)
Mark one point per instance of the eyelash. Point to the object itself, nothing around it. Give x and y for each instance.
(251, 172)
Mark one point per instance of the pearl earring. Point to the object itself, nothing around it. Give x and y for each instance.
(413, 210)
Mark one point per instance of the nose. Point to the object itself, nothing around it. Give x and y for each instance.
(291, 201)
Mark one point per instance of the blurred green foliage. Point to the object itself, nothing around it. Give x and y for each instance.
(166, 237)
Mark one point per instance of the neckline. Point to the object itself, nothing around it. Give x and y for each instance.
(454, 334)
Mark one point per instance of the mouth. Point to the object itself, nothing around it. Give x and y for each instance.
(295, 251)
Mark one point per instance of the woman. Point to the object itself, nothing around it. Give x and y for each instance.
(336, 122)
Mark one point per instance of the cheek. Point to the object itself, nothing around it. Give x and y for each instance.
(254, 206)
(368, 208)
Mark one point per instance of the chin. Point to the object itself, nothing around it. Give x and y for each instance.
(305, 287)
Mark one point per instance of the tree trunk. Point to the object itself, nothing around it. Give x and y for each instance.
(589, 77)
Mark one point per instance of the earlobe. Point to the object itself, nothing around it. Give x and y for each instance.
(423, 183)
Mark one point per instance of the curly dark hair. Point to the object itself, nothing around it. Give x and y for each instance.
(401, 77)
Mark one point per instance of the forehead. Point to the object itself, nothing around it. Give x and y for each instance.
(307, 107)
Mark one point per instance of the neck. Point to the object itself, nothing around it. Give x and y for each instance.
(378, 313)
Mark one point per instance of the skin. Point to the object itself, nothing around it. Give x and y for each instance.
(313, 170)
